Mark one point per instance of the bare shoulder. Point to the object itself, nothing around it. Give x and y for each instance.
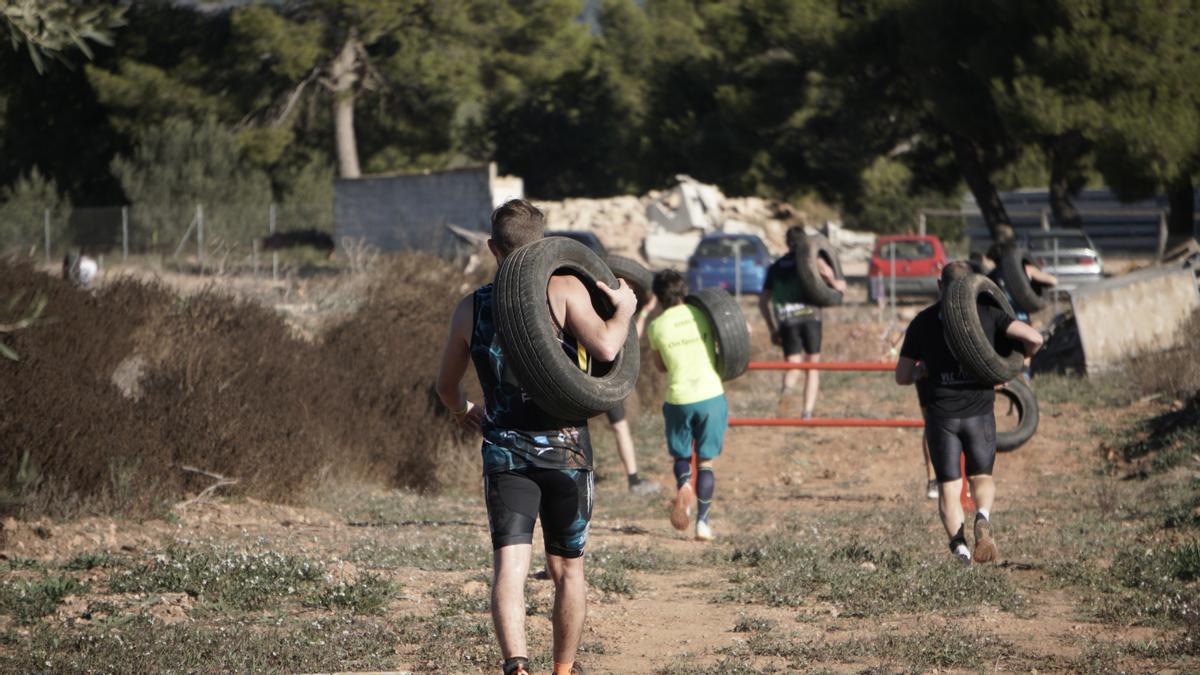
(564, 286)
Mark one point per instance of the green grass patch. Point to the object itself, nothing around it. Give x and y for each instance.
(862, 581)
(27, 600)
(367, 595)
(233, 579)
(139, 646)
(443, 552)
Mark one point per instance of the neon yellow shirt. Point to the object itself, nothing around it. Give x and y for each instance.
(683, 337)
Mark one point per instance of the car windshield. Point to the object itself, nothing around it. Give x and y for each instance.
(723, 248)
(1064, 242)
(906, 250)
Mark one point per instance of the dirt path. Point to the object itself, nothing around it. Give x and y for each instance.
(847, 505)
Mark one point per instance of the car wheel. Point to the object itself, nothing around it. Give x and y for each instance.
(1022, 398)
(635, 274)
(531, 345)
(729, 324)
(1027, 296)
(816, 291)
(965, 336)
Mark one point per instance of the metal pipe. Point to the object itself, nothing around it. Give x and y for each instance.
(828, 422)
(823, 365)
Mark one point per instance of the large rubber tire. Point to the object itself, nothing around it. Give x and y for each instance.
(732, 336)
(1027, 296)
(532, 349)
(1023, 398)
(635, 274)
(964, 332)
(816, 291)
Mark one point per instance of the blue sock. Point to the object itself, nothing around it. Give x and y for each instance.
(683, 472)
(706, 484)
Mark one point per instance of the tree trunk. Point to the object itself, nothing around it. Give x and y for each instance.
(343, 75)
(1181, 197)
(966, 155)
(1065, 151)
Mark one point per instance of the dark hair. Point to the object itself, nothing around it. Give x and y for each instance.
(795, 236)
(670, 288)
(516, 223)
(959, 269)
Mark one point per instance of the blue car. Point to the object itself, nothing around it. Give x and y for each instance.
(712, 263)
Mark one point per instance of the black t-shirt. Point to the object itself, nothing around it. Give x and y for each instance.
(947, 390)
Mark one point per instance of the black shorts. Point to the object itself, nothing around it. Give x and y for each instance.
(952, 437)
(801, 337)
(616, 414)
(563, 497)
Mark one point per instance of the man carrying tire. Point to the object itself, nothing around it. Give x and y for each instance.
(795, 322)
(533, 463)
(695, 413)
(959, 412)
(1033, 274)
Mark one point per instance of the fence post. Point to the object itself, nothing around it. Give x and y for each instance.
(124, 234)
(254, 255)
(274, 252)
(1162, 234)
(892, 291)
(200, 235)
(921, 223)
(46, 228)
(1045, 219)
(737, 268)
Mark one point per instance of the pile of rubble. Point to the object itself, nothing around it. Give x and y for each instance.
(663, 228)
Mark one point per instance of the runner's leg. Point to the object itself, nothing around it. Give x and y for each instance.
(791, 377)
(570, 606)
(625, 446)
(508, 598)
(812, 383)
(566, 517)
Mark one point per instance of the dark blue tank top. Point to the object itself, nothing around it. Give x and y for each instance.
(517, 432)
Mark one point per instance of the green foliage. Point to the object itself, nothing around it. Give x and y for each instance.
(367, 595)
(23, 207)
(863, 581)
(48, 28)
(239, 580)
(28, 600)
(179, 164)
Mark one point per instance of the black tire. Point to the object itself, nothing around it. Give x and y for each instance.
(527, 336)
(637, 276)
(816, 291)
(1027, 296)
(1023, 399)
(732, 336)
(964, 332)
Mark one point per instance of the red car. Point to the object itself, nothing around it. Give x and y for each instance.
(919, 263)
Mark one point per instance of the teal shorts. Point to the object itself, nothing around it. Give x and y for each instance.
(703, 422)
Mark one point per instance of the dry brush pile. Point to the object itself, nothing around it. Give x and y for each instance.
(117, 390)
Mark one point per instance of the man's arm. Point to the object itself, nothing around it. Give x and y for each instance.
(764, 307)
(908, 371)
(1035, 273)
(572, 305)
(646, 313)
(456, 357)
(1028, 336)
(828, 275)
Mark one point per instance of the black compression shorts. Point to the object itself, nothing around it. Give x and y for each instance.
(952, 437)
(563, 498)
(616, 414)
(801, 337)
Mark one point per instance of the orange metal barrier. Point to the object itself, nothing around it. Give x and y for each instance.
(856, 366)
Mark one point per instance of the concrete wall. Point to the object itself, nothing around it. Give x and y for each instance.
(1134, 313)
(402, 212)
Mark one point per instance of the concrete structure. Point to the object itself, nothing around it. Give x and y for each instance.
(413, 211)
(1135, 313)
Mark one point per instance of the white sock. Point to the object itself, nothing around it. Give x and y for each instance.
(984, 513)
(962, 551)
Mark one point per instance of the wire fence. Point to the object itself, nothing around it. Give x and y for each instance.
(215, 238)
